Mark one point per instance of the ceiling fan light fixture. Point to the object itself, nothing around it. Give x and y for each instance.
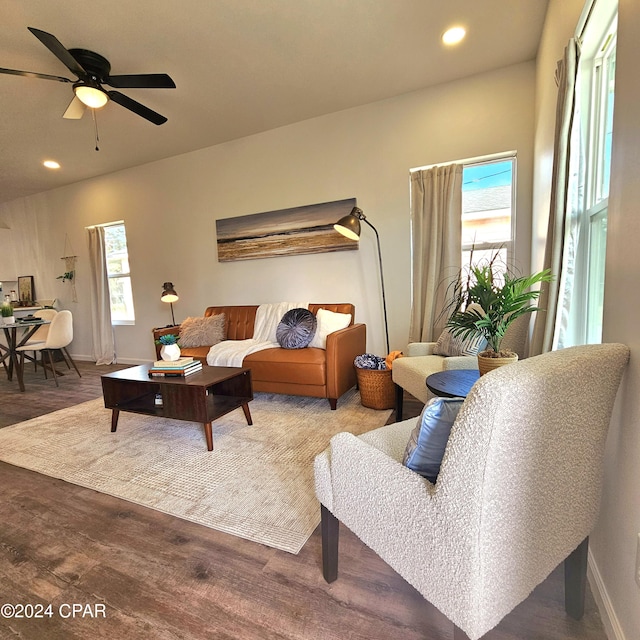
(93, 97)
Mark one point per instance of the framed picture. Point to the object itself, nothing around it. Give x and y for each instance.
(287, 232)
(26, 291)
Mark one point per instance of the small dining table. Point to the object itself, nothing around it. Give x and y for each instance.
(8, 352)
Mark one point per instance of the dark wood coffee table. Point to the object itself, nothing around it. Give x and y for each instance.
(200, 397)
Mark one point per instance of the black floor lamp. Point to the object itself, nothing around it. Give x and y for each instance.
(349, 226)
(169, 295)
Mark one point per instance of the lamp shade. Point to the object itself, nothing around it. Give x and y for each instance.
(349, 225)
(169, 293)
(90, 96)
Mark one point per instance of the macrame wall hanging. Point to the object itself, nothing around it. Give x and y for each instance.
(70, 267)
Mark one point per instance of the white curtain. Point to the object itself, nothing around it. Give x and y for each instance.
(563, 228)
(436, 244)
(103, 341)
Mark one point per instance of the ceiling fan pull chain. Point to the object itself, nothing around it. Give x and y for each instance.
(95, 127)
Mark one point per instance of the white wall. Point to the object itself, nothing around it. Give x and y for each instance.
(170, 207)
(560, 25)
(615, 539)
(613, 543)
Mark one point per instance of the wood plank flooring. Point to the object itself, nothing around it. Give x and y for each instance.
(159, 577)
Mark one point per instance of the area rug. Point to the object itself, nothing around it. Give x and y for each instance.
(257, 483)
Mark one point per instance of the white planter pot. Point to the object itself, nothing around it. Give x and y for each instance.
(9, 320)
(170, 352)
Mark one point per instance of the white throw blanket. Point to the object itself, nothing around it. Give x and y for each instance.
(231, 353)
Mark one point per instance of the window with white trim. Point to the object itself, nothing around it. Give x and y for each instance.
(602, 91)
(118, 273)
(596, 84)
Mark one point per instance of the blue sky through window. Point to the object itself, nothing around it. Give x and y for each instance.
(482, 176)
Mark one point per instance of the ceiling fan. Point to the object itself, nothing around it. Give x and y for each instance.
(92, 71)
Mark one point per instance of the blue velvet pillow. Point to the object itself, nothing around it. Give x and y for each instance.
(296, 329)
(428, 440)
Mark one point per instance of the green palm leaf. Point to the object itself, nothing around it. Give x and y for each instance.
(502, 303)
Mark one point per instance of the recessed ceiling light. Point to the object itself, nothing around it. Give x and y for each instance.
(51, 164)
(453, 35)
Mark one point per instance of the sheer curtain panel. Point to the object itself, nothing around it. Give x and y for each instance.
(436, 245)
(103, 341)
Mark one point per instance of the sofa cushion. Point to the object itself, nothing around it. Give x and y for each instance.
(450, 345)
(202, 332)
(429, 438)
(411, 374)
(295, 366)
(328, 322)
(199, 353)
(296, 329)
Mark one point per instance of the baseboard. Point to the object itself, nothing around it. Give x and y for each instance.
(132, 361)
(609, 619)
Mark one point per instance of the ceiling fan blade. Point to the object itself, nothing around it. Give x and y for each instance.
(57, 48)
(136, 107)
(75, 110)
(33, 74)
(141, 81)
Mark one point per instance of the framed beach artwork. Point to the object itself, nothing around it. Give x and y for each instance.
(26, 292)
(287, 232)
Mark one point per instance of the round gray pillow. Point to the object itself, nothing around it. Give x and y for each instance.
(296, 329)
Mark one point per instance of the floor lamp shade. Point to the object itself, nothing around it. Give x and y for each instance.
(169, 295)
(349, 226)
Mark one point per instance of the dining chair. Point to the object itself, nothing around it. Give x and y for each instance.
(40, 334)
(59, 336)
(518, 491)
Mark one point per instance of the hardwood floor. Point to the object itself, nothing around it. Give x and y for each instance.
(158, 577)
(42, 396)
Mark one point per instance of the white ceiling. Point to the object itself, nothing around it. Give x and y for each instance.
(240, 66)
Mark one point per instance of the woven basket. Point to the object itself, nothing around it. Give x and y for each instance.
(376, 388)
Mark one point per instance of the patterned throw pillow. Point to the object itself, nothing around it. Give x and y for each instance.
(450, 345)
(202, 332)
(296, 329)
(429, 438)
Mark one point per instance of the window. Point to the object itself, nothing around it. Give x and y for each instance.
(119, 275)
(602, 89)
(596, 87)
(488, 220)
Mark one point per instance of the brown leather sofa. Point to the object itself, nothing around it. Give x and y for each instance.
(318, 373)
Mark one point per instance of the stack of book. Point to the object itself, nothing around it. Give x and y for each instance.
(174, 368)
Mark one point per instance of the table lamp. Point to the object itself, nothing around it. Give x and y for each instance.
(169, 295)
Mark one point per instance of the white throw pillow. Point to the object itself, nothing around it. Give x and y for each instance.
(328, 322)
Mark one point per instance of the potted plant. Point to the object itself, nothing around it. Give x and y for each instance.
(67, 275)
(7, 313)
(503, 297)
(170, 350)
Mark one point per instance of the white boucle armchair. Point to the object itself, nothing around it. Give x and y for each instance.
(410, 373)
(518, 491)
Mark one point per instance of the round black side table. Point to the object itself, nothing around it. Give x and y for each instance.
(453, 383)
